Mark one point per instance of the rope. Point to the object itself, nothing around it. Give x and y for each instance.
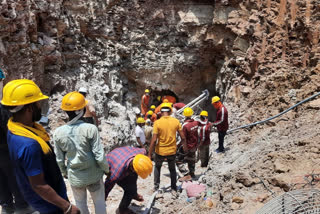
(278, 115)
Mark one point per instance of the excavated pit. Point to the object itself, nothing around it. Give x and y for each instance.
(260, 57)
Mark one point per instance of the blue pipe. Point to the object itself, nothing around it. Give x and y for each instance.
(278, 115)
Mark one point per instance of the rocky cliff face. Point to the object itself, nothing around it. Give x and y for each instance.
(260, 56)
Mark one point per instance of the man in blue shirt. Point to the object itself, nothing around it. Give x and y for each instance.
(37, 172)
(8, 185)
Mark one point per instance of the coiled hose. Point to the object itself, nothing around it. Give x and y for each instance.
(278, 115)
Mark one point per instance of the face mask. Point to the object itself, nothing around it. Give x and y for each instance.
(203, 118)
(36, 115)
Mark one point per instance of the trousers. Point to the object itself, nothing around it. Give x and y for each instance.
(97, 194)
(221, 136)
(204, 155)
(129, 186)
(172, 168)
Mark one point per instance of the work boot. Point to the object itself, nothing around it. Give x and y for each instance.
(219, 150)
(125, 211)
(138, 197)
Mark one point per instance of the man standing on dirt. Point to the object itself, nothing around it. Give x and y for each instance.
(221, 122)
(79, 143)
(145, 102)
(164, 131)
(126, 164)
(141, 138)
(190, 131)
(8, 184)
(37, 172)
(90, 115)
(204, 135)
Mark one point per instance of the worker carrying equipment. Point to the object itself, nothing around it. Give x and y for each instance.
(221, 121)
(145, 102)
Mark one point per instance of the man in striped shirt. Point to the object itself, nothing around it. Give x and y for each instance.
(221, 121)
(125, 164)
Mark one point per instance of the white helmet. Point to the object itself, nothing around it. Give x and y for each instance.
(83, 90)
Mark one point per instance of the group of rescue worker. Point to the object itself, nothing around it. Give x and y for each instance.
(32, 171)
(194, 135)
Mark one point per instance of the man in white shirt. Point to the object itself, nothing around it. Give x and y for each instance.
(141, 138)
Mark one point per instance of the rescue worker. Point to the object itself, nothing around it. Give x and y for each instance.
(154, 117)
(79, 143)
(221, 121)
(148, 115)
(190, 131)
(145, 102)
(126, 164)
(141, 138)
(157, 111)
(9, 189)
(164, 133)
(90, 115)
(152, 108)
(171, 99)
(204, 136)
(37, 172)
(148, 132)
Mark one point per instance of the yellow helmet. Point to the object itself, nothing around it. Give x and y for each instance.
(142, 165)
(146, 91)
(73, 101)
(153, 107)
(204, 113)
(166, 105)
(21, 92)
(158, 98)
(140, 120)
(150, 112)
(188, 112)
(215, 99)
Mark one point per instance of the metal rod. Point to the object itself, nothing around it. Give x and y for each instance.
(205, 94)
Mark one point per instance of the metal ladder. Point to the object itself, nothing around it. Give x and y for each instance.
(204, 96)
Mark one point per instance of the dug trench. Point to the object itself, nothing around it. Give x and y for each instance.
(260, 57)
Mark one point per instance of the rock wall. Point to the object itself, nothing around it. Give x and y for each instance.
(246, 51)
